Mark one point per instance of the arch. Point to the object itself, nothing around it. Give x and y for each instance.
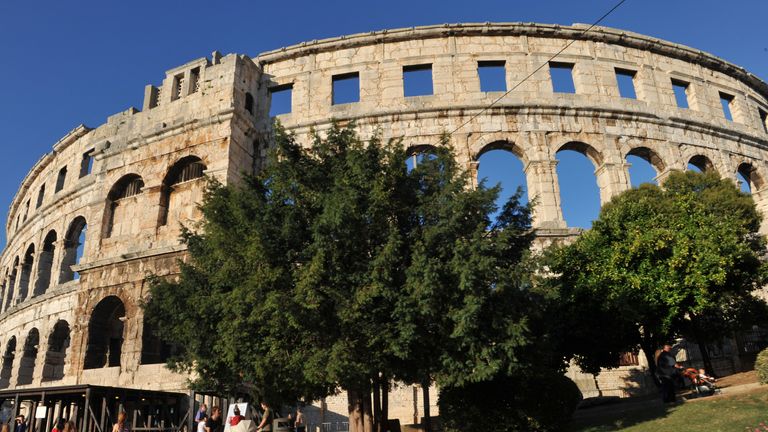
(750, 178)
(45, 264)
(26, 272)
(645, 165)
(649, 156)
(585, 149)
(503, 167)
(55, 357)
(7, 368)
(500, 144)
(121, 214)
(417, 153)
(105, 334)
(74, 248)
(700, 163)
(178, 192)
(580, 194)
(12, 284)
(28, 358)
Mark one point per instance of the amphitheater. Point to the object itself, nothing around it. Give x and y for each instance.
(103, 210)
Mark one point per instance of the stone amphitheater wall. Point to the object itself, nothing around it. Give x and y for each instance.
(218, 111)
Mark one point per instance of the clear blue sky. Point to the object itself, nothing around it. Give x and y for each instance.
(71, 62)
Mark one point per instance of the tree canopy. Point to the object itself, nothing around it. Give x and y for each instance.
(659, 262)
(338, 267)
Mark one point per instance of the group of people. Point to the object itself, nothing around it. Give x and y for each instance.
(61, 425)
(215, 423)
(669, 371)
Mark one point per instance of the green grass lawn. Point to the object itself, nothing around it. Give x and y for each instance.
(742, 412)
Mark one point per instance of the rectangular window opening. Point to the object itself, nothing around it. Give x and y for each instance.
(86, 164)
(726, 101)
(680, 88)
(492, 76)
(346, 88)
(26, 210)
(60, 179)
(280, 99)
(764, 119)
(40, 196)
(562, 77)
(194, 80)
(626, 82)
(178, 83)
(417, 80)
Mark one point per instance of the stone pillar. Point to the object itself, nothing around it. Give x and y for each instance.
(761, 202)
(662, 177)
(612, 179)
(544, 191)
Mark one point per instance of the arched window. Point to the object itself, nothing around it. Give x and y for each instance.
(700, 163)
(28, 358)
(105, 334)
(45, 264)
(74, 245)
(645, 166)
(749, 180)
(26, 272)
(122, 212)
(418, 154)
(500, 164)
(11, 284)
(579, 191)
(7, 368)
(180, 192)
(55, 357)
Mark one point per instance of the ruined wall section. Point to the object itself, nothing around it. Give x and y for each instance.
(187, 120)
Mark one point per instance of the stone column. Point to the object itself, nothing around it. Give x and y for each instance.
(612, 179)
(662, 177)
(544, 191)
(761, 202)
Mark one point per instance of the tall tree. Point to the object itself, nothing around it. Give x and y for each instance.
(657, 261)
(337, 267)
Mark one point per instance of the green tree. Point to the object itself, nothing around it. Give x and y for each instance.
(658, 262)
(337, 267)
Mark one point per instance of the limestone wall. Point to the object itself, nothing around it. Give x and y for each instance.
(130, 183)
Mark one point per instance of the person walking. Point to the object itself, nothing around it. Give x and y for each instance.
(121, 425)
(59, 426)
(299, 425)
(266, 419)
(214, 423)
(666, 370)
(201, 416)
(21, 426)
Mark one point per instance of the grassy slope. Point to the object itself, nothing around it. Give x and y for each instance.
(742, 412)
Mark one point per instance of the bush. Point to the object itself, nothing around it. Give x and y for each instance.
(544, 402)
(761, 366)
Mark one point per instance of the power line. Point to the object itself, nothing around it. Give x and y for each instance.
(598, 21)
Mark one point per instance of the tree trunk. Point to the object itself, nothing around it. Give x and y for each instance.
(597, 386)
(385, 402)
(702, 345)
(360, 415)
(427, 419)
(377, 423)
(649, 348)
